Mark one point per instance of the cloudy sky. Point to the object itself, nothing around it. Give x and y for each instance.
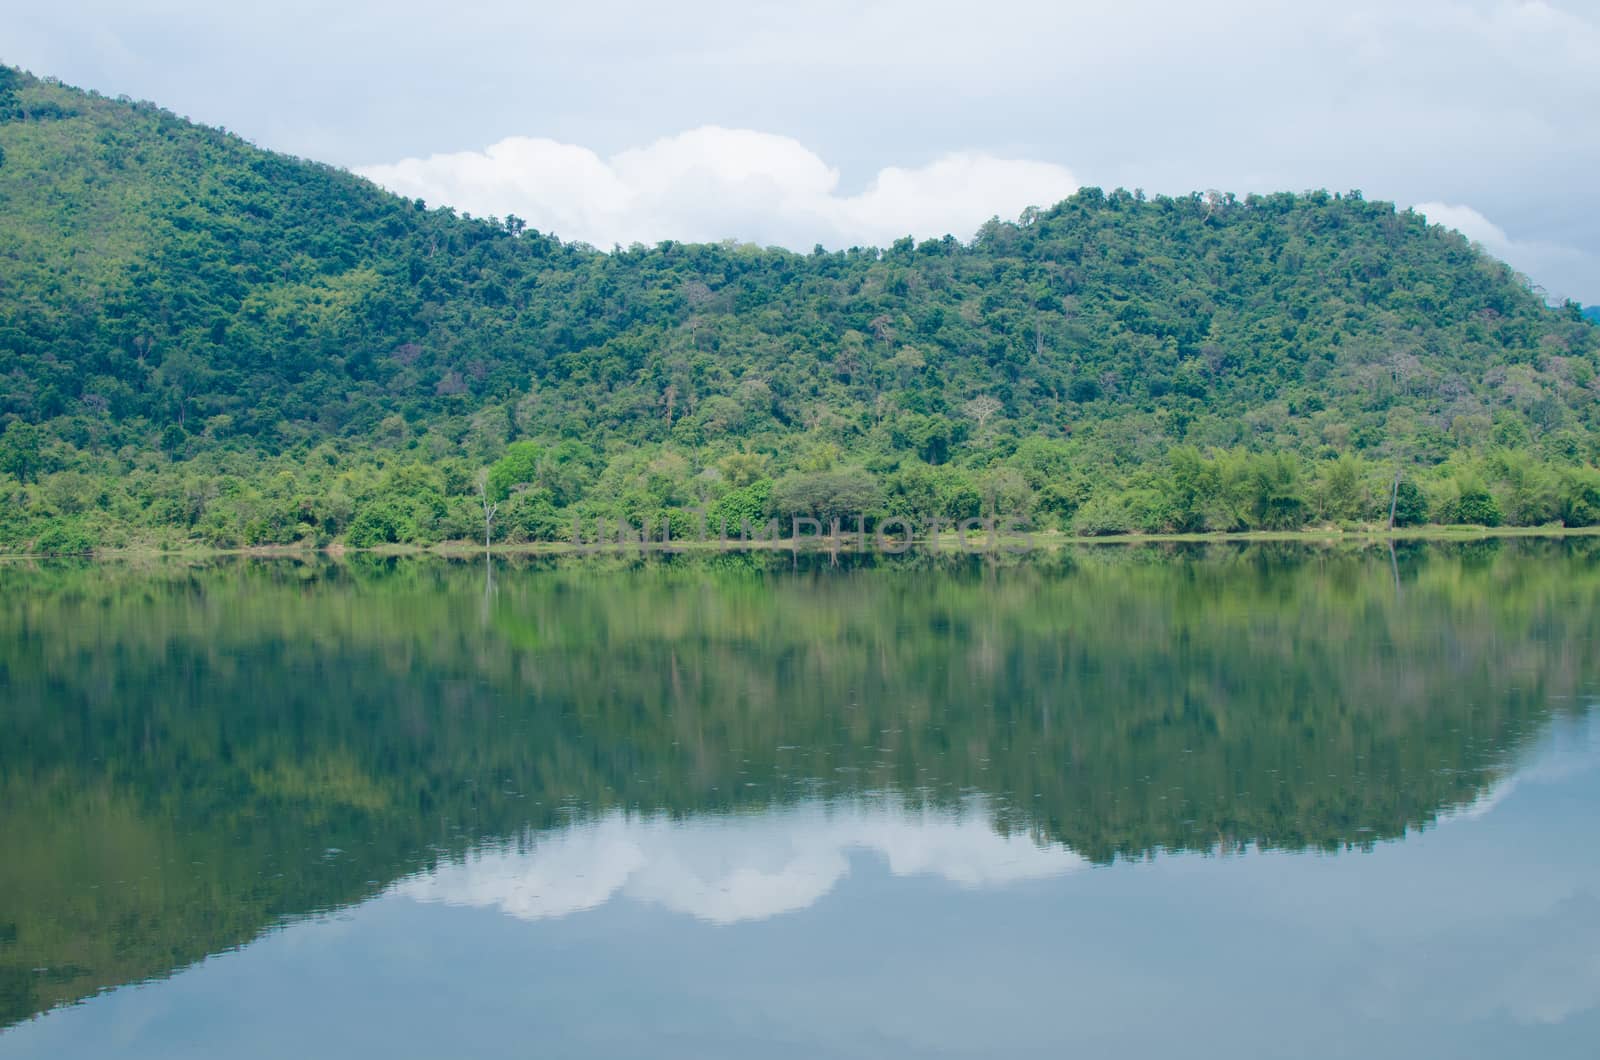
(856, 121)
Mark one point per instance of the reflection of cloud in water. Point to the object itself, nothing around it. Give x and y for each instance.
(1538, 968)
(1571, 747)
(1481, 806)
(1537, 960)
(733, 868)
(1560, 976)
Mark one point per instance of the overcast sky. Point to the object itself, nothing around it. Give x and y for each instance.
(854, 122)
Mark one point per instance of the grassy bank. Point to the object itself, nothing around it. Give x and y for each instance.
(1046, 541)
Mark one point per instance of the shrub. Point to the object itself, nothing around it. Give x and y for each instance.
(64, 539)
(1477, 507)
(529, 516)
(1103, 515)
(1579, 503)
(381, 523)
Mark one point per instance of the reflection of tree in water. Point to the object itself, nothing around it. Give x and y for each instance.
(193, 755)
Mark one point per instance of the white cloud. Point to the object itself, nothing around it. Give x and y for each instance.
(1487, 102)
(713, 183)
(736, 868)
(1566, 272)
(1467, 221)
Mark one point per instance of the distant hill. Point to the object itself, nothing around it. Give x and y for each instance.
(176, 301)
(1592, 313)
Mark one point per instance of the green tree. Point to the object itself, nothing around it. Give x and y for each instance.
(1410, 504)
(20, 449)
(1341, 491)
(518, 467)
(1579, 501)
(10, 80)
(931, 437)
(844, 495)
(738, 508)
(1192, 486)
(1475, 505)
(1276, 498)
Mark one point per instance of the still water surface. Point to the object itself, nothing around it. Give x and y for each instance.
(1214, 802)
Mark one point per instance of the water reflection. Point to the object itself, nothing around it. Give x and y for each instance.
(1474, 939)
(726, 869)
(196, 756)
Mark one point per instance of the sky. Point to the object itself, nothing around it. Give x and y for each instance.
(855, 122)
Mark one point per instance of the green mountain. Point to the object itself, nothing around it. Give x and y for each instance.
(1592, 313)
(204, 340)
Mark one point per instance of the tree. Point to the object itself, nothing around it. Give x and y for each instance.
(1580, 497)
(338, 331)
(1477, 506)
(1083, 389)
(518, 467)
(845, 495)
(20, 449)
(1410, 504)
(930, 436)
(489, 508)
(981, 408)
(567, 470)
(1193, 485)
(1042, 460)
(9, 80)
(922, 492)
(1275, 499)
(182, 375)
(1006, 493)
(735, 509)
(906, 364)
(1341, 488)
(529, 516)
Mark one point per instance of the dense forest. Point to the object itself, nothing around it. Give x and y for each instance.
(402, 711)
(204, 342)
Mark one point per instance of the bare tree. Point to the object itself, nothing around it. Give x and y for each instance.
(697, 293)
(981, 408)
(907, 363)
(488, 509)
(846, 364)
(883, 327)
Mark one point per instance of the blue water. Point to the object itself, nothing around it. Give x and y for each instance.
(867, 929)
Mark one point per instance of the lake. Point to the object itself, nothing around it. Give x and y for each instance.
(1219, 800)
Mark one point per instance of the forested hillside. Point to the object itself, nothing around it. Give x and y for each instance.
(201, 340)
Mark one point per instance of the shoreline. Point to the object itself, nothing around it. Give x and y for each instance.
(976, 544)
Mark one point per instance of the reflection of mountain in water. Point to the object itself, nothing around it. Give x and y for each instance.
(194, 755)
